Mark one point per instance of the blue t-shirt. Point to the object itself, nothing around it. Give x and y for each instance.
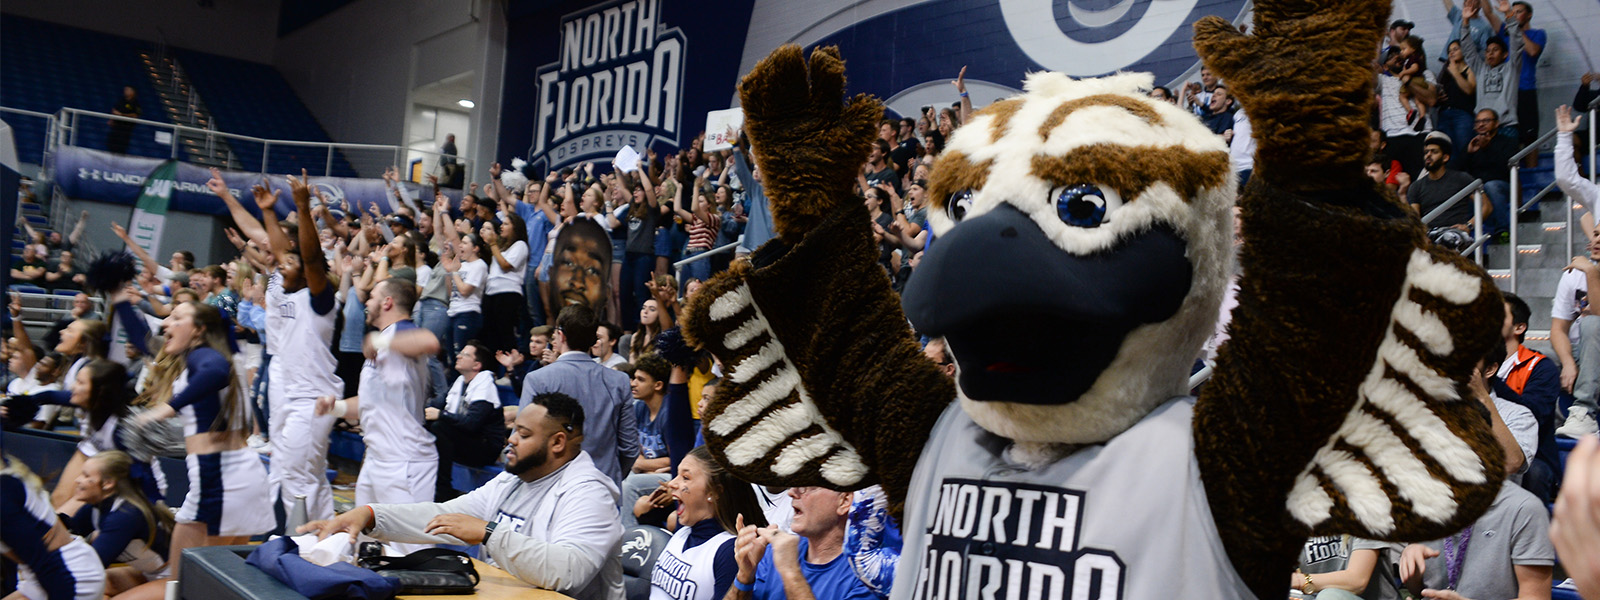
(834, 580)
(1530, 65)
(651, 444)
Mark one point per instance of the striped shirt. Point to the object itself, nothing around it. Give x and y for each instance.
(703, 232)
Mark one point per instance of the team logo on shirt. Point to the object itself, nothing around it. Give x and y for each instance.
(1012, 542)
(618, 82)
(671, 575)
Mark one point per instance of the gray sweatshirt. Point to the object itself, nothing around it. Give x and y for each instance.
(561, 532)
(1497, 86)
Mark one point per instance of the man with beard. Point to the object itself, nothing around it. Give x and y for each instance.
(580, 267)
(1440, 184)
(549, 520)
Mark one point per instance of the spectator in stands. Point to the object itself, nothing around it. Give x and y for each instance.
(1575, 526)
(120, 523)
(468, 427)
(51, 562)
(906, 146)
(1399, 30)
(1506, 553)
(82, 308)
(1338, 567)
(1439, 185)
(704, 225)
(1241, 147)
(1498, 69)
(31, 269)
(516, 367)
(642, 342)
(1162, 93)
(644, 216)
(878, 169)
(612, 436)
(712, 507)
(503, 303)
(66, 275)
(121, 132)
(211, 283)
(605, 345)
(1533, 381)
(549, 520)
(648, 387)
(466, 273)
(808, 563)
(1567, 327)
(1458, 85)
(1487, 156)
(1219, 112)
(1403, 136)
(1477, 27)
(1197, 94)
(1532, 42)
(178, 265)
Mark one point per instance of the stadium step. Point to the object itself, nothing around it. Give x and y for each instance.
(184, 106)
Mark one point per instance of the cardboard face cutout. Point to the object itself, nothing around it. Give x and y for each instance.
(580, 267)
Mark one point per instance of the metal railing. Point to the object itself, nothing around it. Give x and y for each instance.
(366, 160)
(707, 254)
(1515, 193)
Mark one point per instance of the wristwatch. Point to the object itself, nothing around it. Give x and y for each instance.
(488, 530)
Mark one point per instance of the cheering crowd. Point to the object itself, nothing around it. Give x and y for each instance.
(533, 327)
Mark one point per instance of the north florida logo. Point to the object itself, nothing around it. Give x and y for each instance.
(1011, 541)
(618, 82)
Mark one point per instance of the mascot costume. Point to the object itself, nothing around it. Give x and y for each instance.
(1084, 244)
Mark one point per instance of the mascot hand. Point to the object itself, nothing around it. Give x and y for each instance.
(1305, 79)
(808, 142)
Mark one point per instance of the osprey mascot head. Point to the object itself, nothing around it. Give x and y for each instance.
(1084, 238)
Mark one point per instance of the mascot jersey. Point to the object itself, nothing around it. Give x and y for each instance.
(1117, 520)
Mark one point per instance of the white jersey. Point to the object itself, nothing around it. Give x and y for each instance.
(1572, 296)
(394, 389)
(1129, 516)
(687, 574)
(300, 339)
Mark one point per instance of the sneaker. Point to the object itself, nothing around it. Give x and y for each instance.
(1579, 423)
(259, 444)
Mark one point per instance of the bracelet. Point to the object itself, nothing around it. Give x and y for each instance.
(742, 586)
(963, 94)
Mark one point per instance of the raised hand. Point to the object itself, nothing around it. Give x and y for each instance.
(1564, 121)
(121, 233)
(266, 198)
(807, 141)
(961, 80)
(494, 170)
(748, 549)
(300, 190)
(216, 184)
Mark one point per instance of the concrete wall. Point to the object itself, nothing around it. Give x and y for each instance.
(246, 29)
(201, 234)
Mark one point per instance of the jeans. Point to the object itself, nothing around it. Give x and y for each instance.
(634, 487)
(1499, 193)
(1457, 124)
(700, 269)
(636, 269)
(1587, 354)
(430, 315)
(464, 328)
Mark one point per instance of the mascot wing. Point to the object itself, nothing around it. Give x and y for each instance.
(823, 383)
(1340, 404)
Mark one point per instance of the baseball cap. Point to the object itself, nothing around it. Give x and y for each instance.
(1402, 23)
(403, 221)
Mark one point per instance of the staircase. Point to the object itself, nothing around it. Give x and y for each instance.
(1541, 251)
(185, 107)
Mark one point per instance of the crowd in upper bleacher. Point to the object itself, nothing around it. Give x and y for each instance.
(529, 330)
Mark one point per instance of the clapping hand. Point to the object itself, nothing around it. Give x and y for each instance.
(509, 358)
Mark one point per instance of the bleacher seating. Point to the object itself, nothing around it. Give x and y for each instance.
(253, 99)
(40, 56)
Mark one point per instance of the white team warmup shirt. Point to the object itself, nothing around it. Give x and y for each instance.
(394, 388)
(300, 340)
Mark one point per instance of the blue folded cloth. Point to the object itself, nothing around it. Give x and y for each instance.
(280, 558)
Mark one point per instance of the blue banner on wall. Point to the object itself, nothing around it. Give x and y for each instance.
(101, 176)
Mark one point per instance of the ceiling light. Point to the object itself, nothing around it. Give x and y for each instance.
(465, 103)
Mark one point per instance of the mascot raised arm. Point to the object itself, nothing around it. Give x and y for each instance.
(1084, 244)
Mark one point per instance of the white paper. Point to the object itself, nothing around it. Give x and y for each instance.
(718, 124)
(627, 159)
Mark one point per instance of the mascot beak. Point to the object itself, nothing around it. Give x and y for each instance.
(1031, 323)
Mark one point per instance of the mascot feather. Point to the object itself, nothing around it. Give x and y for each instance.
(1074, 281)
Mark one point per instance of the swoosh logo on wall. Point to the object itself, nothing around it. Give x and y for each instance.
(1140, 28)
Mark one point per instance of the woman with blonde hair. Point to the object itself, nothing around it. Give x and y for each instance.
(228, 499)
(120, 523)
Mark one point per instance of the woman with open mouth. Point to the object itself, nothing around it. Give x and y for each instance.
(713, 505)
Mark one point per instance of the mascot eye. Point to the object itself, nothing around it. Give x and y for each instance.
(1085, 205)
(958, 204)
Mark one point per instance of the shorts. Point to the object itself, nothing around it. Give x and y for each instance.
(228, 492)
(88, 576)
(663, 243)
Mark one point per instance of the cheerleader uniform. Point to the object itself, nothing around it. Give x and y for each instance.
(120, 534)
(697, 564)
(72, 571)
(228, 489)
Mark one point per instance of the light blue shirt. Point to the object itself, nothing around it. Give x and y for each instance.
(758, 228)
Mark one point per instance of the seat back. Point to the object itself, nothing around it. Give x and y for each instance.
(641, 545)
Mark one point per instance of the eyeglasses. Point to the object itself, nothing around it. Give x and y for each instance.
(1485, 120)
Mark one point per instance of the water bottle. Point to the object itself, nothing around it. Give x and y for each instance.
(297, 515)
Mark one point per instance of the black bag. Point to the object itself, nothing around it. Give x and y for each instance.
(430, 571)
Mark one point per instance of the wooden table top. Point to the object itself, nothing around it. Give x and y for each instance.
(495, 583)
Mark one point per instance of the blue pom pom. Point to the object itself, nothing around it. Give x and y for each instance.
(671, 346)
(111, 271)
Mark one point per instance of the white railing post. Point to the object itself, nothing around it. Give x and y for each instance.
(1515, 204)
(266, 149)
(1477, 234)
(327, 169)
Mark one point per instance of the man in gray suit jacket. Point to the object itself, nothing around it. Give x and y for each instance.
(610, 436)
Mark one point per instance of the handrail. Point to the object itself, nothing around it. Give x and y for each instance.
(708, 253)
(1531, 147)
(24, 111)
(1536, 197)
(1466, 191)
